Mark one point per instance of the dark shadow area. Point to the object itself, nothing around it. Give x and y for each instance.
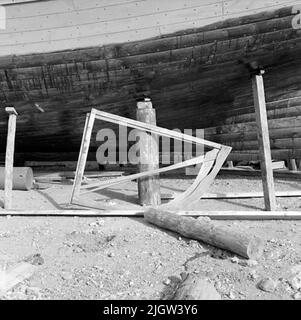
(50, 199)
(112, 194)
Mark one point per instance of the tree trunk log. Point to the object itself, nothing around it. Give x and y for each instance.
(196, 288)
(206, 231)
(22, 178)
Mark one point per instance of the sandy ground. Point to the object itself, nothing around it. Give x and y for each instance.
(126, 258)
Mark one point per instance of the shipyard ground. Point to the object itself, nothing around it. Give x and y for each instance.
(126, 258)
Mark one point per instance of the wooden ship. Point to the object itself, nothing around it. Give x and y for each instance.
(59, 58)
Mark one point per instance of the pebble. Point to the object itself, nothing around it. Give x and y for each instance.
(267, 285)
(296, 269)
(234, 260)
(67, 276)
(167, 282)
(97, 223)
(231, 295)
(253, 275)
(248, 263)
(111, 254)
(297, 296)
(296, 282)
(33, 291)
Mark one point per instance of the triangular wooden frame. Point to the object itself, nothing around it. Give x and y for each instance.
(212, 161)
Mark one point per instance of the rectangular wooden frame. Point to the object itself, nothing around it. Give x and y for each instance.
(84, 149)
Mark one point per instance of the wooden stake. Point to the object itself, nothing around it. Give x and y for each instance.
(9, 157)
(148, 187)
(206, 231)
(264, 142)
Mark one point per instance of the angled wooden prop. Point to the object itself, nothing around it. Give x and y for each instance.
(211, 162)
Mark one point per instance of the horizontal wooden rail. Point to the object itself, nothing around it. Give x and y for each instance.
(215, 215)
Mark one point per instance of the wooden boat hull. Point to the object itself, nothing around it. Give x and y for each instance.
(188, 56)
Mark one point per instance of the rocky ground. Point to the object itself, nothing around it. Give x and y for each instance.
(126, 258)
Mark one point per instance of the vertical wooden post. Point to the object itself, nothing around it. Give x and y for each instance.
(148, 187)
(9, 157)
(230, 164)
(292, 164)
(264, 141)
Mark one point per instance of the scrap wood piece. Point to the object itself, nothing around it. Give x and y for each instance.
(196, 288)
(14, 276)
(250, 247)
(206, 176)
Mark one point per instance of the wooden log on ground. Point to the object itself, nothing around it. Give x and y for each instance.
(148, 187)
(205, 230)
(196, 288)
(22, 178)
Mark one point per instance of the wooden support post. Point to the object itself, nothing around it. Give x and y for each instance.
(264, 141)
(9, 157)
(292, 164)
(230, 164)
(148, 187)
(299, 165)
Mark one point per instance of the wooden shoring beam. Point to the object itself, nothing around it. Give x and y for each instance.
(215, 215)
(264, 141)
(9, 157)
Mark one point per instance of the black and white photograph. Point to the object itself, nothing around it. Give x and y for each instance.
(150, 151)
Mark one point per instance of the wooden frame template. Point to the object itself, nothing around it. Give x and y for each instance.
(211, 162)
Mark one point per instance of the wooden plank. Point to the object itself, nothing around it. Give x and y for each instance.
(264, 142)
(9, 157)
(215, 215)
(105, 116)
(242, 195)
(256, 173)
(99, 186)
(83, 154)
